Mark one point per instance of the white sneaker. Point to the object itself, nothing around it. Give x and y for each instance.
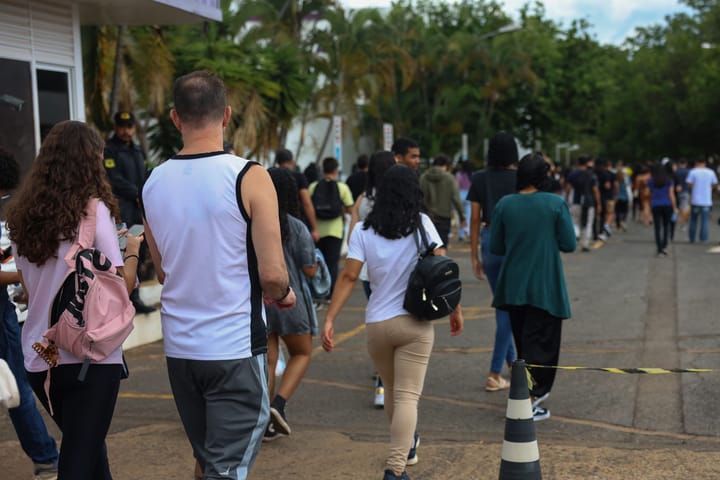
(280, 366)
(540, 399)
(540, 413)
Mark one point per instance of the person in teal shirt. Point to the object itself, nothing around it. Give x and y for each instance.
(531, 228)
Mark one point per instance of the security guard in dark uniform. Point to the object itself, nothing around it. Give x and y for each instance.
(125, 166)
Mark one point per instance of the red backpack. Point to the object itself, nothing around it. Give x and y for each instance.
(92, 314)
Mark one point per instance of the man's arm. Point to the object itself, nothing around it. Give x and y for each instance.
(309, 213)
(475, 219)
(596, 194)
(8, 278)
(154, 252)
(458, 203)
(568, 189)
(260, 201)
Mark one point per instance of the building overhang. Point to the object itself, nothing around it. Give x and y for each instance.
(147, 12)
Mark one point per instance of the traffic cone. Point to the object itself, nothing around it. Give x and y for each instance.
(520, 455)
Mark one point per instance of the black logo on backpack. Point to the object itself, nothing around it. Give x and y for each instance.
(326, 200)
(434, 287)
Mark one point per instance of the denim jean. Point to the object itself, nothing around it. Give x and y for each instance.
(465, 232)
(31, 431)
(704, 214)
(503, 350)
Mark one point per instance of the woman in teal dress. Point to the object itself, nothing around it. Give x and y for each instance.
(531, 228)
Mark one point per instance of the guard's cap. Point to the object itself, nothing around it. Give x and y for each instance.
(124, 119)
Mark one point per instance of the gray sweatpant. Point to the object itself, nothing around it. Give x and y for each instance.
(224, 407)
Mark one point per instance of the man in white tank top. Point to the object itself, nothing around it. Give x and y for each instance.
(211, 222)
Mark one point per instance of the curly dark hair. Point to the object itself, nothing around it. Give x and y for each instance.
(533, 171)
(287, 195)
(396, 211)
(9, 170)
(378, 165)
(49, 205)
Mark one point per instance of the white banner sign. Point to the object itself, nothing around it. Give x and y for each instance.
(337, 138)
(387, 136)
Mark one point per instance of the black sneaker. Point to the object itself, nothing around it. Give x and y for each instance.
(412, 455)
(389, 475)
(278, 421)
(540, 413)
(271, 434)
(142, 308)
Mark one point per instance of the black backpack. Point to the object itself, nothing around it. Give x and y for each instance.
(434, 287)
(326, 200)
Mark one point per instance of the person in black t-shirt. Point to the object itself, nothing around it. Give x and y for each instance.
(583, 195)
(607, 185)
(487, 187)
(284, 159)
(358, 180)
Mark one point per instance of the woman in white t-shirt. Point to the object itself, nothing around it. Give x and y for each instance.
(398, 342)
(43, 221)
(379, 163)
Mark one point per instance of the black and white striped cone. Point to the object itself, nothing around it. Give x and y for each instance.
(520, 454)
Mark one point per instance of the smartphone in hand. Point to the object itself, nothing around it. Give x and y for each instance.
(135, 230)
(121, 238)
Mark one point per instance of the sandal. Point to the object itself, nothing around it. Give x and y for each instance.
(493, 385)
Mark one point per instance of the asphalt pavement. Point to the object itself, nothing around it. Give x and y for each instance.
(630, 309)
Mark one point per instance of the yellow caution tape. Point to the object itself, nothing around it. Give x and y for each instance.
(625, 371)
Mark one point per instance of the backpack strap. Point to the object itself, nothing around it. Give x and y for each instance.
(422, 245)
(86, 232)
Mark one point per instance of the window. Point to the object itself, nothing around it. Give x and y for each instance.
(16, 111)
(53, 98)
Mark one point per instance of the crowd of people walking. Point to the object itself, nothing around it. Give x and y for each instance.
(263, 232)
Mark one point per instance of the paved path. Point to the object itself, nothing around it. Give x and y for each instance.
(630, 309)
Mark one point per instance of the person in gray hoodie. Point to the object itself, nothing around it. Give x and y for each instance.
(440, 194)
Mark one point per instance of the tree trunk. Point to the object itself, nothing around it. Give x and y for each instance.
(117, 70)
(282, 136)
(301, 141)
(321, 152)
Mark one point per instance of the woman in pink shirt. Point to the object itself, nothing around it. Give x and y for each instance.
(43, 221)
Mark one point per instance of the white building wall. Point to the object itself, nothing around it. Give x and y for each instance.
(38, 30)
(314, 134)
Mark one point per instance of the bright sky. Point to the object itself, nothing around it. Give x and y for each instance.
(612, 20)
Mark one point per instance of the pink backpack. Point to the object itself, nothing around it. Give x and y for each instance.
(92, 314)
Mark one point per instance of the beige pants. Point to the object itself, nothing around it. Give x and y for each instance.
(400, 348)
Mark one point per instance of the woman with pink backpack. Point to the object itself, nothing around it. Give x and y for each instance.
(66, 186)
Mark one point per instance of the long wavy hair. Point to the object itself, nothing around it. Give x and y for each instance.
(378, 165)
(287, 196)
(49, 205)
(396, 211)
